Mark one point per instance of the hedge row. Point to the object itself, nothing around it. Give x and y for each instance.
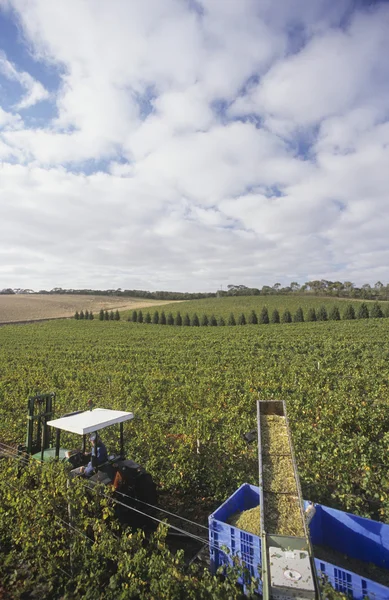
(87, 315)
(263, 319)
(104, 315)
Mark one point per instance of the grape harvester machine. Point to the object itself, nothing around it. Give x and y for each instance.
(125, 475)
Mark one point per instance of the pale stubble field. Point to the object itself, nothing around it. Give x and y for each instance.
(34, 307)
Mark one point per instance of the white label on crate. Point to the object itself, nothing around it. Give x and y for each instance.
(289, 554)
(292, 575)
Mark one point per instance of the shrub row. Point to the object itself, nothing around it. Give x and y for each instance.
(88, 315)
(263, 319)
(104, 315)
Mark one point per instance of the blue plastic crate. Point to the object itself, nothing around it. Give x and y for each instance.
(240, 543)
(351, 584)
(354, 536)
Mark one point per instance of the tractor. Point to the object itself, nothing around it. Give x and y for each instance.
(128, 479)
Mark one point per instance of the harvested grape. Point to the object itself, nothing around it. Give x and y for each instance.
(248, 520)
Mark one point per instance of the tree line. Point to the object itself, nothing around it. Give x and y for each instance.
(264, 318)
(317, 287)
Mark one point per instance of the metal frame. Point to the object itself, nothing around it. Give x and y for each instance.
(41, 418)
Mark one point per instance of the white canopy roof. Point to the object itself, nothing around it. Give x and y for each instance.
(91, 420)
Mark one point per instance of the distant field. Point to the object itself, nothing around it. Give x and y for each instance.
(33, 307)
(222, 307)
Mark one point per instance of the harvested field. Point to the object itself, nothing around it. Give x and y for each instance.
(34, 307)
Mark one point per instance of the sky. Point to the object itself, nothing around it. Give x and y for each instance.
(190, 144)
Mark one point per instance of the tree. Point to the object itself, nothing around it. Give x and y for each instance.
(148, 318)
(140, 317)
(366, 293)
(294, 286)
(322, 314)
(311, 316)
(286, 317)
(349, 313)
(266, 289)
(213, 321)
(363, 311)
(106, 316)
(186, 320)
(162, 319)
(204, 321)
(386, 310)
(253, 319)
(76, 315)
(337, 287)
(178, 319)
(275, 316)
(334, 314)
(86, 316)
(195, 321)
(242, 319)
(299, 315)
(91, 316)
(111, 316)
(231, 320)
(376, 312)
(101, 315)
(82, 316)
(221, 322)
(156, 318)
(170, 319)
(348, 287)
(315, 285)
(264, 316)
(134, 316)
(379, 288)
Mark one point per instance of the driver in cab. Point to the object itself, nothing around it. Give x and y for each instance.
(99, 453)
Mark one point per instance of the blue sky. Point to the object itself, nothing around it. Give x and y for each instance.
(185, 145)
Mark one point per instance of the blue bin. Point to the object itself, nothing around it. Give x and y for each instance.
(357, 537)
(240, 543)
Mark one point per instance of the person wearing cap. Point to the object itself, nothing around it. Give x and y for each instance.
(99, 451)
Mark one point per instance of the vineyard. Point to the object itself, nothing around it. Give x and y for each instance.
(193, 392)
(223, 307)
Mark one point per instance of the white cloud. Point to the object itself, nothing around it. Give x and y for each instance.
(336, 70)
(243, 141)
(9, 120)
(34, 91)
